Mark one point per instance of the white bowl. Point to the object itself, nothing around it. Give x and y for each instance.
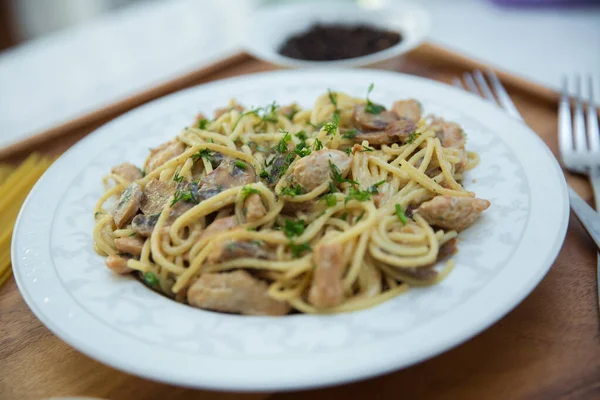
(269, 27)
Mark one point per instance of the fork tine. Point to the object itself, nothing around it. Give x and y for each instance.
(592, 119)
(503, 97)
(483, 86)
(565, 127)
(456, 82)
(471, 86)
(579, 119)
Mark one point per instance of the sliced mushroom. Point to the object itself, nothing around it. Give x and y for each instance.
(130, 245)
(127, 171)
(117, 264)
(227, 249)
(162, 154)
(396, 132)
(372, 122)
(410, 109)
(228, 175)
(449, 133)
(144, 224)
(326, 288)
(156, 196)
(128, 206)
(450, 212)
(313, 170)
(234, 292)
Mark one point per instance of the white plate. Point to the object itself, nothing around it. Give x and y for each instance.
(121, 323)
(269, 27)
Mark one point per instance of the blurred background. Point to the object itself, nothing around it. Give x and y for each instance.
(78, 56)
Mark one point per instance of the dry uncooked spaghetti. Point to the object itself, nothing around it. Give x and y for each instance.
(268, 210)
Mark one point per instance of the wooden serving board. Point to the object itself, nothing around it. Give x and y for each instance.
(547, 348)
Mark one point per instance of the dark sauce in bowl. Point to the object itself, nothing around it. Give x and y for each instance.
(328, 42)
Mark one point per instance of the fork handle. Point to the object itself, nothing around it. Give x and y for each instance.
(589, 218)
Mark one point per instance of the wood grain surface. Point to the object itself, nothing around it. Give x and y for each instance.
(547, 348)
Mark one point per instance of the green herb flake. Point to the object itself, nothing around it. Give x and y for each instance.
(132, 234)
(178, 178)
(97, 214)
(412, 137)
(373, 189)
(401, 215)
(337, 177)
(299, 249)
(351, 134)
(371, 107)
(282, 146)
(203, 123)
(360, 216)
(302, 136)
(358, 195)
(292, 191)
(240, 164)
(150, 279)
(348, 151)
(293, 228)
(330, 199)
(202, 153)
(366, 148)
(317, 145)
(247, 191)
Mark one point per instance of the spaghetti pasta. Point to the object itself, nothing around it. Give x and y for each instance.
(279, 209)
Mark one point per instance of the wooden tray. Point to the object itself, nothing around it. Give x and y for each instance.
(546, 348)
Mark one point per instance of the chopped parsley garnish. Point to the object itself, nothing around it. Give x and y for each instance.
(371, 107)
(301, 151)
(360, 216)
(366, 148)
(348, 150)
(97, 214)
(317, 145)
(344, 215)
(330, 199)
(185, 195)
(373, 189)
(292, 112)
(203, 123)
(337, 177)
(302, 136)
(332, 127)
(293, 228)
(266, 114)
(132, 234)
(202, 153)
(292, 191)
(177, 178)
(332, 97)
(281, 146)
(150, 279)
(400, 214)
(264, 174)
(412, 137)
(247, 191)
(240, 164)
(299, 249)
(351, 134)
(357, 194)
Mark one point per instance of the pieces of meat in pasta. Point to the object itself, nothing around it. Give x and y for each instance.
(128, 206)
(450, 212)
(313, 170)
(410, 109)
(326, 288)
(265, 209)
(127, 171)
(162, 154)
(234, 292)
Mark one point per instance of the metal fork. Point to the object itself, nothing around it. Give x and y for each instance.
(494, 91)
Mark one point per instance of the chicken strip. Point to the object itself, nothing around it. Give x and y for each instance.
(450, 212)
(234, 292)
(313, 170)
(326, 289)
